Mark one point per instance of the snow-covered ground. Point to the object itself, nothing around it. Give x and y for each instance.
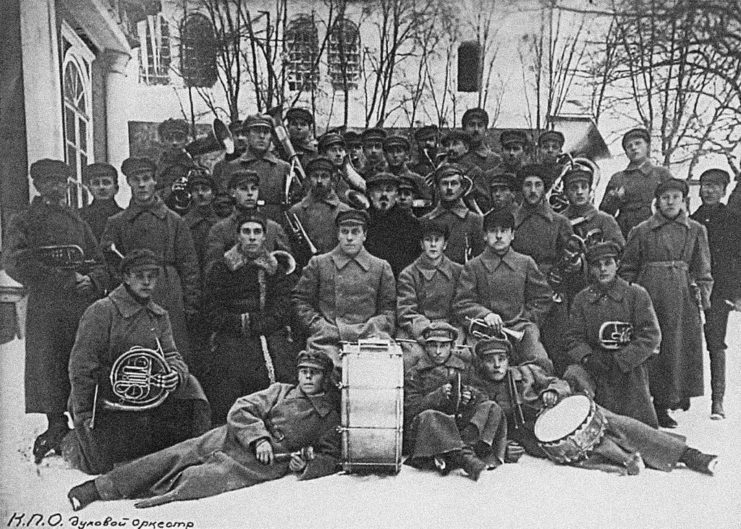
(532, 493)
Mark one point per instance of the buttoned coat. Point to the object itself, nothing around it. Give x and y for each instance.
(666, 257)
(223, 459)
(54, 307)
(541, 233)
(587, 218)
(273, 172)
(624, 389)
(317, 217)
(200, 220)
(466, 230)
(96, 214)
(639, 182)
(393, 236)
(341, 298)
(163, 231)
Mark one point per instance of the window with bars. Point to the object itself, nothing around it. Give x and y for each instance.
(154, 50)
(77, 126)
(302, 49)
(344, 54)
(198, 51)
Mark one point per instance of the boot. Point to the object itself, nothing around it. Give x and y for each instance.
(83, 495)
(467, 460)
(50, 440)
(717, 383)
(699, 462)
(665, 420)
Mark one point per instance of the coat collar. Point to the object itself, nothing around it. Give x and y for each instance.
(458, 209)
(331, 199)
(235, 260)
(492, 261)
(248, 156)
(322, 403)
(453, 362)
(158, 209)
(586, 212)
(340, 259)
(658, 220)
(644, 167)
(426, 268)
(615, 292)
(543, 210)
(128, 306)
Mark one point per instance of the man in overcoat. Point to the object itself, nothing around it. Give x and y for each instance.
(724, 238)
(612, 366)
(201, 216)
(148, 223)
(102, 181)
(668, 255)
(396, 149)
(475, 122)
(261, 441)
(449, 424)
(57, 296)
(346, 294)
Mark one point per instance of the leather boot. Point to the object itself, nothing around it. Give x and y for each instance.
(467, 460)
(717, 383)
(50, 440)
(699, 462)
(665, 420)
(83, 495)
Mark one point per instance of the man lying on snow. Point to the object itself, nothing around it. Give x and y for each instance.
(281, 429)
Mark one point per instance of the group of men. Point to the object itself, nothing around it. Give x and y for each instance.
(457, 253)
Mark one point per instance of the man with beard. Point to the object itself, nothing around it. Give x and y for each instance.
(425, 290)
(258, 158)
(57, 297)
(475, 122)
(396, 149)
(393, 232)
(299, 122)
(543, 234)
(102, 181)
(373, 151)
(223, 204)
(457, 144)
(630, 192)
(318, 210)
(612, 366)
(239, 134)
(505, 289)
(346, 294)
(465, 227)
(201, 216)
(244, 186)
(724, 237)
(148, 223)
(502, 189)
(427, 150)
(668, 255)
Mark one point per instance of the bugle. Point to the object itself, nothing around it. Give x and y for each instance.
(478, 328)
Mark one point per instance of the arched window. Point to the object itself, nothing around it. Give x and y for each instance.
(344, 54)
(302, 48)
(78, 133)
(154, 50)
(198, 51)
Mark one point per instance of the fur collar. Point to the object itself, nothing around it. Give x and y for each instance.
(235, 260)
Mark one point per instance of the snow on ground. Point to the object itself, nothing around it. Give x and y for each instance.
(532, 493)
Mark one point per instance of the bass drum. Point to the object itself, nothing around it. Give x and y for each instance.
(372, 420)
(568, 431)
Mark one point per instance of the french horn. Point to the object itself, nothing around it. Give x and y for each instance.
(134, 380)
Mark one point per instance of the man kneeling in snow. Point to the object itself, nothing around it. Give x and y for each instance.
(281, 429)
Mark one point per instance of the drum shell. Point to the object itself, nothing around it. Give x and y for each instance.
(371, 419)
(578, 444)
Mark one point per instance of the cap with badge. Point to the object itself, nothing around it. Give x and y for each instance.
(242, 176)
(508, 137)
(497, 179)
(136, 166)
(48, 169)
(320, 163)
(672, 184)
(578, 174)
(439, 331)
(353, 217)
(479, 113)
(258, 121)
(552, 135)
(492, 346)
(602, 250)
(316, 359)
(407, 182)
(329, 139)
(99, 170)
(141, 259)
(375, 134)
(381, 177)
(640, 133)
(448, 169)
(715, 176)
(396, 141)
(300, 113)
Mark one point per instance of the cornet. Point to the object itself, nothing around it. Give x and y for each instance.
(299, 233)
(478, 328)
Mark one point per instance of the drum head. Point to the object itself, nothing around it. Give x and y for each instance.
(563, 419)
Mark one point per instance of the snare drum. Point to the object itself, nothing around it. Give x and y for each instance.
(372, 406)
(568, 431)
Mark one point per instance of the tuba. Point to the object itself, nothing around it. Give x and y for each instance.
(296, 176)
(355, 196)
(134, 380)
(615, 334)
(557, 194)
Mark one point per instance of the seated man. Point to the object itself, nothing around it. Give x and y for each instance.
(112, 421)
(425, 290)
(284, 428)
(448, 424)
(611, 366)
(627, 444)
(505, 288)
(346, 294)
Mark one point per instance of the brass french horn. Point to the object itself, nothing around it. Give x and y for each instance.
(133, 382)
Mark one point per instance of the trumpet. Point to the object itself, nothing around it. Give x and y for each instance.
(478, 328)
(298, 232)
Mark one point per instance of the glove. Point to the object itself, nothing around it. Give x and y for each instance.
(597, 365)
